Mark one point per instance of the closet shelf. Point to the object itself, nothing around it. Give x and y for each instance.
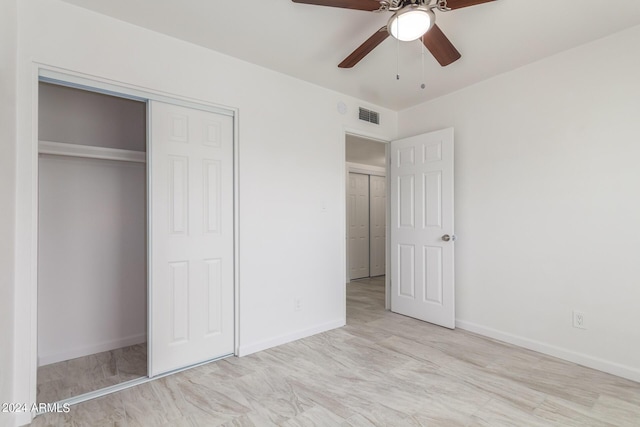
(92, 152)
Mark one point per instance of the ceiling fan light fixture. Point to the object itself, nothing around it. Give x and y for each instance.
(411, 22)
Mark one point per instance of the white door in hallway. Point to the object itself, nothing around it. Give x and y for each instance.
(378, 226)
(358, 233)
(422, 239)
(191, 284)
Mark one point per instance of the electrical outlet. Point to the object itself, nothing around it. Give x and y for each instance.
(297, 304)
(579, 320)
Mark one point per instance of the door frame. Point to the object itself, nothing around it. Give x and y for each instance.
(26, 328)
(345, 179)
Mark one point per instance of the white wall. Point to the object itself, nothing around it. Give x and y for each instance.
(547, 202)
(8, 38)
(289, 246)
(365, 151)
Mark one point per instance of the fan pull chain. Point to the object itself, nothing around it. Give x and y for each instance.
(398, 54)
(423, 85)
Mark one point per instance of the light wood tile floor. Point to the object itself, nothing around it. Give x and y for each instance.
(382, 369)
(74, 377)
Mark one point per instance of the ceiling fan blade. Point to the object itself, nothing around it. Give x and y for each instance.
(457, 4)
(440, 47)
(364, 49)
(370, 5)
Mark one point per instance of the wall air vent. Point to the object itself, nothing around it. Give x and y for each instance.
(369, 116)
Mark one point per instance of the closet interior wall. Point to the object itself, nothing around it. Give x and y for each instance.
(92, 232)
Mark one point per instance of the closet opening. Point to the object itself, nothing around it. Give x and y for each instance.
(92, 241)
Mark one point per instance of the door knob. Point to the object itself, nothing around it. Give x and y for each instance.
(447, 238)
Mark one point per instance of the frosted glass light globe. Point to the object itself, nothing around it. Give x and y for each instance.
(410, 23)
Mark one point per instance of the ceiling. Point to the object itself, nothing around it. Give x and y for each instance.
(307, 42)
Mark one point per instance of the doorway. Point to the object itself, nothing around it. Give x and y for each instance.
(366, 207)
(419, 276)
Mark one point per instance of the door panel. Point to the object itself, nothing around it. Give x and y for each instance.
(358, 225)
(406, 201)
(422, 263)
(191, 283)
(377, 209)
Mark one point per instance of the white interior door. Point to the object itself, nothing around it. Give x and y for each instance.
(422, 239)
(358, 234)
(191, 283)
(377, 209)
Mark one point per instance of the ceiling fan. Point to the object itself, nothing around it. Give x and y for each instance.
(411, 20)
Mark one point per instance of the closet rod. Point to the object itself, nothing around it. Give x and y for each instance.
(91, 152)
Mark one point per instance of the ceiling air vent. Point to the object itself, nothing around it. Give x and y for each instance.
(369, 116)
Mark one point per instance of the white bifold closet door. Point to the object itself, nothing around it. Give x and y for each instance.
(358, 214)
(378, 210)
(366, 212)
(192, 266)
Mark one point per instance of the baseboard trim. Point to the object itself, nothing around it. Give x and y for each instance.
(607, 366)
(48, 359)
(245, 350)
